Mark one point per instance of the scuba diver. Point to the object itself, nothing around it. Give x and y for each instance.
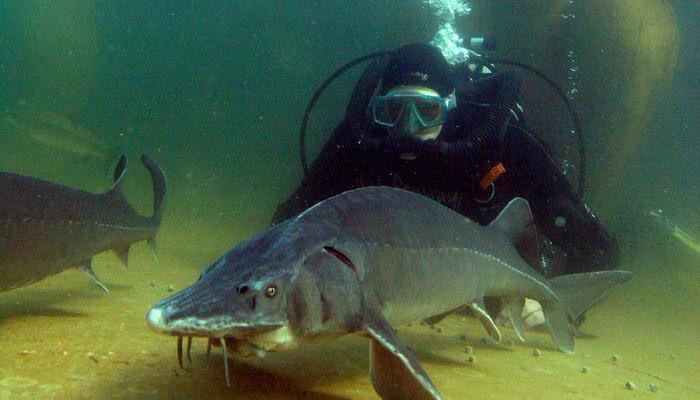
(459, 137)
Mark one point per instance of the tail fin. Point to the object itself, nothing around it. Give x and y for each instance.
(160, 189)
(160, 186)
(577, 293)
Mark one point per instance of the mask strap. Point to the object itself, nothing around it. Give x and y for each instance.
(451, 101)
(375, 93)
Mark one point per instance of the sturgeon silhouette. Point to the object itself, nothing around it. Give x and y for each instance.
(362, 262)
(46, 228)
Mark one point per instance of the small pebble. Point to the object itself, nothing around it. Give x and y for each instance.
(93, 357)
(536, 352)
(616, 357)
(630, 386)
(170, 288)
(585, 370)
(27, 352)
(65, 353)
(462, 336)
(469, 350)
(471, 359)
(653, 387)
(152, 283)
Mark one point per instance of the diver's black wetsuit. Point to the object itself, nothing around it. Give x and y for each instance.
(481, 132)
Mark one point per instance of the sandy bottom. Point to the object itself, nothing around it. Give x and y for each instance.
(64, 338)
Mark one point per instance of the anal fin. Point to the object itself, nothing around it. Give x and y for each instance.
(487, 322)
(154, 248)
(514, 310)
(123, 255)
(86, 268)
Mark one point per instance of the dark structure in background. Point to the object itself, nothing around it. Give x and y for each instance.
(626, 54)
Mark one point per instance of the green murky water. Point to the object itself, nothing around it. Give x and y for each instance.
(215, 90)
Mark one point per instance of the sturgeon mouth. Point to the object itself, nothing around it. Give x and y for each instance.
(240, 338)
(255, 344)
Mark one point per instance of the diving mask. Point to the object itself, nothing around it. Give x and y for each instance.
(422, 110)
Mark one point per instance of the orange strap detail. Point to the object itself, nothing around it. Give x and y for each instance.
(492, 175)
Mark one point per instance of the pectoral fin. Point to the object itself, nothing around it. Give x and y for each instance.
(394, 369)
(86, 267)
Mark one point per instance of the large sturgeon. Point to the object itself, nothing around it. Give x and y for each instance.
(46, 228)
(361, 262)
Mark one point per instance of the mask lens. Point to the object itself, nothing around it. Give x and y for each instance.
(429, 110)
(388, 111)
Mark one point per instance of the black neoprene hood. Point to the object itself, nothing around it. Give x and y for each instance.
(418, 64)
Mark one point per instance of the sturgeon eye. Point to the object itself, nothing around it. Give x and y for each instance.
(271, 291)
(243, 289)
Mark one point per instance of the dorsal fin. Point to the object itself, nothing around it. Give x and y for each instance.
(517, 223)
(514, 218)
(119, 172)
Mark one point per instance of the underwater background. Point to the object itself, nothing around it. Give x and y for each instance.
(215, 91)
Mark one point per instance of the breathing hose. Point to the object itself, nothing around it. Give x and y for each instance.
(484, 136)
